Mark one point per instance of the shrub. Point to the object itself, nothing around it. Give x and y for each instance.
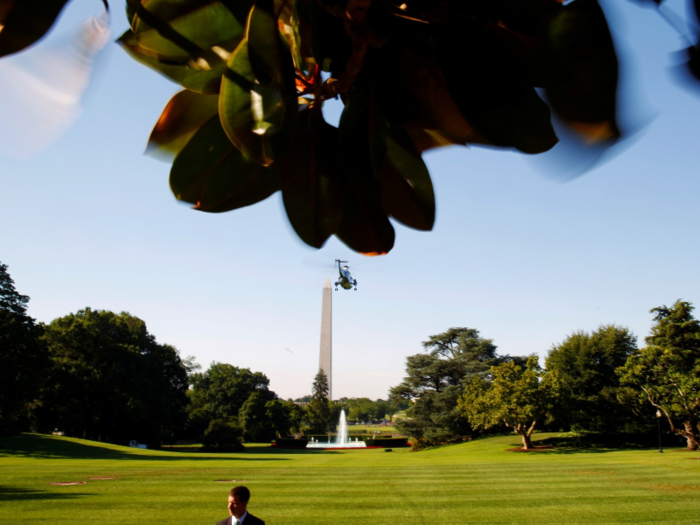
(291, 443)
(222, 437)
(387, 442)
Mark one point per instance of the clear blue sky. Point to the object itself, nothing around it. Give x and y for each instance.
(523, 257)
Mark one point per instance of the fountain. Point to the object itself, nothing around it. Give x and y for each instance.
(341, 440)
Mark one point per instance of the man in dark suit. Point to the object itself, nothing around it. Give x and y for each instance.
(237, 507)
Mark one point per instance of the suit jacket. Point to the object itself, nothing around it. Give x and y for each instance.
(249, 520)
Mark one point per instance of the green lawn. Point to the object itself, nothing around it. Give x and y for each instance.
(477, 482)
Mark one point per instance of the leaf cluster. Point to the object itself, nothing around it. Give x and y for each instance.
(256, 73)
(412, 76)
(666, 373)
(513, 395)
(587, 364)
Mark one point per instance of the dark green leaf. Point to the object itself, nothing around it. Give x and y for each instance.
(215, 176)
(23, 22)
(184, 114)
(492, 89)
(365, 226)
(201, 73)
(257, 116)
(693, 63)
(329, 44)
(583, 91)
(264, 43)
(308, 178)
(434, 107)
(407, 191)
(179, 30)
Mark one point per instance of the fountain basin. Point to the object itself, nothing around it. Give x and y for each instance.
(332, 445)
(342, 441)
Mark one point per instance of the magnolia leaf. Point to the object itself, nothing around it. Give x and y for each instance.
(201, 73)
(184, 114)
(249, 111)
(329, 45)
(527, 18)
(583, 91)
(693, 63)
(434, 106)
(308, 178)
(183, 29)
(24, 22)
(215, 176)
(264, 44)
(502, 104)
(365, 226)
(300, 37)
(407, 191)
(258, 114)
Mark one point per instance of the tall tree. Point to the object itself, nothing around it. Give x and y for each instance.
(23, 358)
(254, 421)
(111, 380)
(319, 410)
(587, 364)
(220, 392)
(667, 371)
(282, 416)
(518, 397)
(435, 380)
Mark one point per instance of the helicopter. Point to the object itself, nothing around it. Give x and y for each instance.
(345, 280)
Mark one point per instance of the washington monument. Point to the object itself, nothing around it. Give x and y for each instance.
(325, 361)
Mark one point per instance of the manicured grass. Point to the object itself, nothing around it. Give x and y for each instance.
(371, 429)
(477, 482)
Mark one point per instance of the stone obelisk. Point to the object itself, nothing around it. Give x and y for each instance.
(326, 355)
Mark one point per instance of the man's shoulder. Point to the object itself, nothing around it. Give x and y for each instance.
(227, 521)
(252, 520)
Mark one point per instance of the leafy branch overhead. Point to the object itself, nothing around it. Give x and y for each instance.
(412, 76)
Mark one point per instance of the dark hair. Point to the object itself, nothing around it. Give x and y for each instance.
(240, 493)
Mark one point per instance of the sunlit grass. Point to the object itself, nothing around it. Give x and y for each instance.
(477, 482)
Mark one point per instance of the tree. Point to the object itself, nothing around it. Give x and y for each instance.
(282, 415)
(587, 364)
(254, 421)
(319, 410)
(667, 371)
(360, 409)
(110, 380)
(515, 396)
(221, 436)
(412, 77)
(221, 391)
(435, 380)
(23, 358)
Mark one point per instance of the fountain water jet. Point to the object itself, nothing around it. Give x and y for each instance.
(341, 440)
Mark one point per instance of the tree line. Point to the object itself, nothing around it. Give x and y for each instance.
(99, 375)
(598, 382)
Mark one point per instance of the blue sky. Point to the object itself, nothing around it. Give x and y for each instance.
(517, 254)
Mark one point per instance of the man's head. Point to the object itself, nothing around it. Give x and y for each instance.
(238, 501)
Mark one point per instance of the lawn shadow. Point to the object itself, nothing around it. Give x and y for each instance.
(590, 443)
(17, 494)
(47, 447)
